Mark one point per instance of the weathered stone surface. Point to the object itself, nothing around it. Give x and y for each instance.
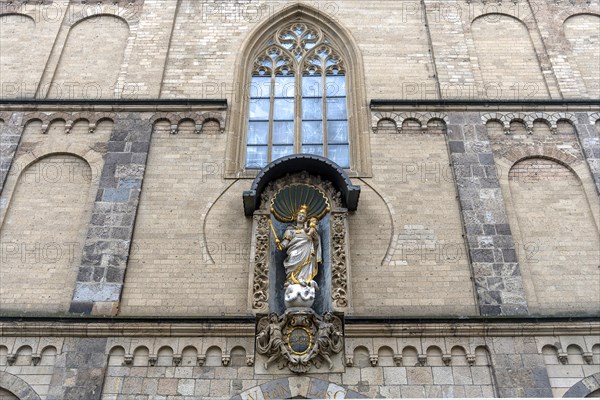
(107, 245)
(485, 221)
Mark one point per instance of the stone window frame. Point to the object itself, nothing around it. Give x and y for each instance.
(342, 41)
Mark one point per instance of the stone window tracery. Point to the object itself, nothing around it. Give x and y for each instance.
(298, 101)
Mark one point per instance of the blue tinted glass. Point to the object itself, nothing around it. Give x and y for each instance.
(256, 156)
(312, 109)
(337, 132)
(317, 150)
(312, 86)
(339, 154)
(284, 109)
(259, 109)
(312, 132)
(336, 109)
(258, 132)
(282, 151)
(260, 87)
(336, 85)
(283, 132)
(285, 86)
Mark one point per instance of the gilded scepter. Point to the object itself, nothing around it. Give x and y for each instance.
(277, 241)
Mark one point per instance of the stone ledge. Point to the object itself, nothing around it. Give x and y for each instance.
(77, 328)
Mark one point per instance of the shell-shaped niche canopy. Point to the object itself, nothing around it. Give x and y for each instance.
(288, 200)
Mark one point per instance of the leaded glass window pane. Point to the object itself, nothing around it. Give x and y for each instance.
(256, 156)
(285, 86)
(316, 150)
(312, 132)
(282, 151)
(337, 132)
(312, 86)
(336, 109)
(340, 154)
(259, 109)
(336, 86)
(258, 132)
(283, 109)
(283, 133)
(312, 109)
(260, 87)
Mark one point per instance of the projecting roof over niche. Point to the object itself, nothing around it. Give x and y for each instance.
(315, 165)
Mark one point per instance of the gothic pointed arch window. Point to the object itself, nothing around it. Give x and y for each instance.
(298, 98)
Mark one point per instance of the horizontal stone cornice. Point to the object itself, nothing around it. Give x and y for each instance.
(245, 328)
(141, 105)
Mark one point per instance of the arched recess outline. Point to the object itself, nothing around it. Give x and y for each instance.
(17, 386)
(343, 41)
(585, 386)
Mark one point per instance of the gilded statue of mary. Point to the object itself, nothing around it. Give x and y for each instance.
(302, 244)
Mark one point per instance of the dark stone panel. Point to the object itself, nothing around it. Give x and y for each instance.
(484, 214)
(106, 250)
(83, 374)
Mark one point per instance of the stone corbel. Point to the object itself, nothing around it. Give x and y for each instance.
(507, 130)
(198, 128)
(588, 357)
(68, 127)
(128, 359)
(152, 360)
(44, 128)
(177, 360)
(563, 358)
(398, 360)
(225, 359)
(349, 361)
(373, 359)
(250, 361)
(200, 360)
(422, 360)
(11, 358)
(554, 129)
(91, 128)
(471, 359)
(174, 129)
(35, 359)
(446, 359)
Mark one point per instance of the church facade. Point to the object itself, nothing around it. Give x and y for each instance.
(256, 199)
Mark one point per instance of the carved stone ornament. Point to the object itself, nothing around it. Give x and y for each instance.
(299, 339)
(339, 267)
(260, 285)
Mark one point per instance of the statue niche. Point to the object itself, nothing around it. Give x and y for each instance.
(300, 264)
(294, 233)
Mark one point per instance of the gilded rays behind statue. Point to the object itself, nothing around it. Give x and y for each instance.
(287, 202)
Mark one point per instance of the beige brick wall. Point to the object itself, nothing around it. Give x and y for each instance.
(507, 59)
(190, 251)
(426, 271)
(583, 34)
(560, 247)
(91, 59)
(42, 235)
(26, 41)
(205, 66)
